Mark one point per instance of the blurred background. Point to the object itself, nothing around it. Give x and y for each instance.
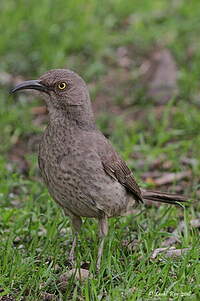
(141, 61)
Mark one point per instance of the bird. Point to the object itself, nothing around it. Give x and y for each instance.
(83, 172)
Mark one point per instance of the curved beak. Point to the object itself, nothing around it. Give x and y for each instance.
(30, 84)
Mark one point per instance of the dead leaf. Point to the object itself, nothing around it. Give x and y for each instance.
(123, 59)
(17, 154)
(172, 177)
(176, 252)
(152, 175)
(154, 165)
(169, 252)
(170, 241)
(189, 161)
(77, 274)
(167, 164)
(48, 297)
(161, 76)
(174, 235)
(21, 163)
(7, 298)
(195, 223)
(131, 245)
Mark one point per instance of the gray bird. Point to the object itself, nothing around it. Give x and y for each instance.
(83, 172)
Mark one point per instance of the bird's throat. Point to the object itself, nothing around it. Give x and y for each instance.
(73, 116)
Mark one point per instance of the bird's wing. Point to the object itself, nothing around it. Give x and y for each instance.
(118, 170)
(115, 167)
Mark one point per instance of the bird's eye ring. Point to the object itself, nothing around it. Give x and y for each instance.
(62, 85)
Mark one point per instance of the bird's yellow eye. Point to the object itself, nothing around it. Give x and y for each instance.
(62, 85)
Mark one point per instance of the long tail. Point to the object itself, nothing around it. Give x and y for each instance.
(173, 199)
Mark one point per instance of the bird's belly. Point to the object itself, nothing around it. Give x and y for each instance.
(83, 188)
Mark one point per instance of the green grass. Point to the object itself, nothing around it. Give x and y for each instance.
(35, 237)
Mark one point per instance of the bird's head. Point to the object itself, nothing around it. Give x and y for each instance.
(61, 89)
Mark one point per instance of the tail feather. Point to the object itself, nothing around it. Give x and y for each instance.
(162, 197)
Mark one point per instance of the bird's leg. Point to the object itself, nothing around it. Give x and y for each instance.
(72, 251)
(103, 231)
(76, 227)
